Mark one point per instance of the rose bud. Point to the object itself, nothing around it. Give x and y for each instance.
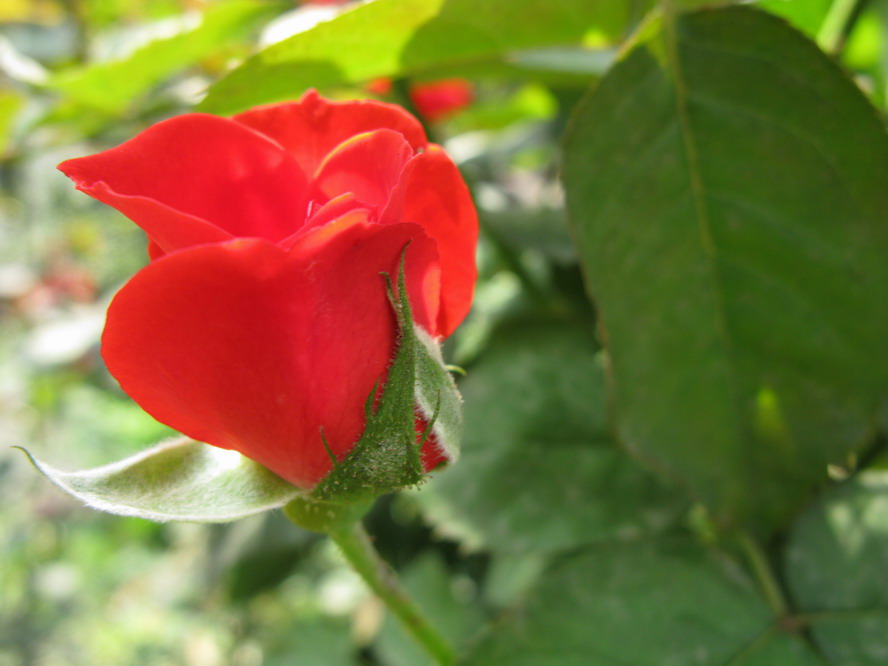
(263, 323)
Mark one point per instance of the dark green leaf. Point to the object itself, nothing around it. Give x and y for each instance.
(660, 603)
(539, 471)
(728, 187)
(177, 480)
(836, 568)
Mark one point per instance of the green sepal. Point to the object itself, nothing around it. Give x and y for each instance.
(387, 456)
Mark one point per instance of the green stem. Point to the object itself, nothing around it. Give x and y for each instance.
(762, 570)
(355, 544)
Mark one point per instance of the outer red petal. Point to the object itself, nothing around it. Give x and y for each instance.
(313, 126)
(433, 194)
(197, 179)
(367, 165)
(251, 347)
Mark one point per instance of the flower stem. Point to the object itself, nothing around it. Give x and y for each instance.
(355, 544)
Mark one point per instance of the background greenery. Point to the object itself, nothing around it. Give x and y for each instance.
(696, 476)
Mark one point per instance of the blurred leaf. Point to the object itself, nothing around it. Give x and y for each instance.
(112, 86)
(323, 640)
(103, 13)
(866, 52)
(807, 16)
(543, 230)
(452, 614)
(11, 103)
(413, 37)
(866, 45)
(836, 569)
(176, 480)
(38, 11)
(645, 603)
(539, 471)
(537, 70)
(728, 186)
(498, 110)
(258, 555)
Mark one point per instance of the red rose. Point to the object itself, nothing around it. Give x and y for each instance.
(263, 316)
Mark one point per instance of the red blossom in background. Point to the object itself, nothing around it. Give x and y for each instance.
(262, 316)
(437, 100)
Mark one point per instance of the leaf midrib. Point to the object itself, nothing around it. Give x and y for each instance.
(701, 208)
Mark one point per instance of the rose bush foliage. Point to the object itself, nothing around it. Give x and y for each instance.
(262, 318)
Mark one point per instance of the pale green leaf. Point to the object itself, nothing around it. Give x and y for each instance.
(415, 37)
(176, 480)
(807, 15)
(112, 86)
(11, 104)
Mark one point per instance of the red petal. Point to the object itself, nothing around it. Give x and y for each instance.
(313, 126)
(323, 215)
(431, 454)
(251, 347)
(433, 194)
(196, 179)
(367, 165)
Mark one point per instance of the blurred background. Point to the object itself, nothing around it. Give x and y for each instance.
(79, 587)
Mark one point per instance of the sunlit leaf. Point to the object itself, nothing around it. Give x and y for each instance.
(112, 86)
(176, 480)
(808, 15)
(412, 37)
(835, 566)
(11, 104)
